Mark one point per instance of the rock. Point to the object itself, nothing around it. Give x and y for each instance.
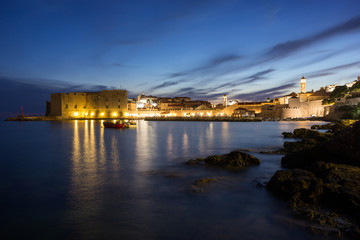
(304, 133)
(327, 126)
(296, 184)
(324, 181)
(235, 159)
(290, 147)
(193, 162)
(342, 148)
(341, 189)
(327, 222)
(288, 135)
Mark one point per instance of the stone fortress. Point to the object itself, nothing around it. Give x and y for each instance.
(115, 104)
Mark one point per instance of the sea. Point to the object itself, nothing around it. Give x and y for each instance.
(78, 180)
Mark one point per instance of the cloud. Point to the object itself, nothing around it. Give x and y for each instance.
(257, 76)
(333, 70)
(266, 93)
(210, 65)
(282, 50)
(165, 84)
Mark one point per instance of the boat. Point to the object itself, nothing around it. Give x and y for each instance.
(117, 124)
(130, 124)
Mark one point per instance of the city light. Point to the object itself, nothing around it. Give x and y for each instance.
(102, 114)
(76, 114)
(114, 114)
(92, 114)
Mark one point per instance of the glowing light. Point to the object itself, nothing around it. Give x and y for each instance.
(86, 114)
(126, 114)
(92, 114)
(76, 114)
(102, 114)
(114, 114)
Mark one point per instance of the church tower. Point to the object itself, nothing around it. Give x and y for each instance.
(225, 100)
(303, 85)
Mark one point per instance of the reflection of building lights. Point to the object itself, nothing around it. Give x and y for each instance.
(102, 114)
(92, 114)
(76, 114)
(114, 114)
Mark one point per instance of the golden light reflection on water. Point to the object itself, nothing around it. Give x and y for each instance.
(225, 132)
(169, 143)
(87, 171)
(185, 144)
(144, 146)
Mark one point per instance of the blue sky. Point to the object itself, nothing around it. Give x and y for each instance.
(249, 50)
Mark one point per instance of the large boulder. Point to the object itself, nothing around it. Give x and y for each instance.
(298, 185)
(235, 159)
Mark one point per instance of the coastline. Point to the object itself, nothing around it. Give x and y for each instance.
(198, 119)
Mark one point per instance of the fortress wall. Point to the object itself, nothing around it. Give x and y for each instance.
(104, 104)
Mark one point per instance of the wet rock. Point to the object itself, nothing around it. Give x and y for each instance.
(304, 133)
(298, 185)
(235, 159)
(342, 148)
(290, 147)
(327, 126)
(327, 222)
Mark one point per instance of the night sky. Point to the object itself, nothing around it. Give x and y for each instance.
(249, 50)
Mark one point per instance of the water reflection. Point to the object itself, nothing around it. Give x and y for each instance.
(86, 175)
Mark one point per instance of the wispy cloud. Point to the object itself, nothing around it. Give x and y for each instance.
(282, 50)
(266, 93)
(334, 69)
(165, 84)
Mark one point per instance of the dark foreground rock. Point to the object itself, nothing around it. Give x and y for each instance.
(232, 160)
(323, 182)
(342, 148)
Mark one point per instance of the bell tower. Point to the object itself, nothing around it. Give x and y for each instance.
(303, 85)
(225, 100)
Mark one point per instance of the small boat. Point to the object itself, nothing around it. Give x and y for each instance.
(130, 124)
(116, 124)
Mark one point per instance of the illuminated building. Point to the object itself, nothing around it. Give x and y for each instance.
(104, 104)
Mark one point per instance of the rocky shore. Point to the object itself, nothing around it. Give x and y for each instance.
(322, 182)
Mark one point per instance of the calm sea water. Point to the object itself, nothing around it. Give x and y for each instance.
(77, 180)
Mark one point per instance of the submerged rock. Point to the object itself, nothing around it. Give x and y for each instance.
(235, 159)
(198, 185)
